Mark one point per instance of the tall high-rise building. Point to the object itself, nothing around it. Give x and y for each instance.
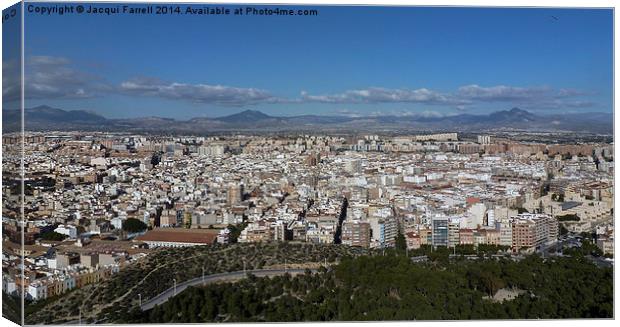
(453, 233)
(384, 231)
(211, 150)
(356, 233)
(313, 159)
(505, 232)
(491, 218)
(353, 166)
(235, 194)
(484, 139)
(532, 230)
(440, 231)
(180, 214)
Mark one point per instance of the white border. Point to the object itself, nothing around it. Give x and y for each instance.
(485, 3)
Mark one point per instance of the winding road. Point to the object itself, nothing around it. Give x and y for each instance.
(214, 278)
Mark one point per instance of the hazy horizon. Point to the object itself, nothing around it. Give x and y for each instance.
(411, 61)
(349, 115)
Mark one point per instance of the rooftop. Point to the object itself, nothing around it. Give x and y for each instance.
(180, 235)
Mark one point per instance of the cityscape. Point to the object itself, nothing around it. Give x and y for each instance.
(211, 203)
(100, 204)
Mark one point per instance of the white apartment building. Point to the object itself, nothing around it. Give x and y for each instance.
(68, 230)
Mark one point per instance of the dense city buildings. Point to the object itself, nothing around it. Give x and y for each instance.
(97, 202)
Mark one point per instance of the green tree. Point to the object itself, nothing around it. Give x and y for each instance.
(568, 217)
(401, 242)
(235, 231)
(53, 236)
(132, 225)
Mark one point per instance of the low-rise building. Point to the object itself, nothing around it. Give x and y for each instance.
(176, 237)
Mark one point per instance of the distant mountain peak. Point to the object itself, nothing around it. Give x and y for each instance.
(256, 113)
(42, 107)
(246, 116)
(513, 115)
(516, 110)
(45, 108)
(55, 115)
(251, 111)
(48, 118)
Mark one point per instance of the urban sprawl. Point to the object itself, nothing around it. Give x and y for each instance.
(95, 203)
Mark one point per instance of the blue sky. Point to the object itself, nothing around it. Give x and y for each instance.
(347, 60)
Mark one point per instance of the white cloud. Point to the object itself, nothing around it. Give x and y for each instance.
(383, 95)
(11, 86)
(198, 93)
(501, 93)
(537, 97)
(49, 77)
(540, 97)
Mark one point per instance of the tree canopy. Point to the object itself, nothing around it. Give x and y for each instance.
(53, 236)
(132, 225)
(401, 242)
(393, 288)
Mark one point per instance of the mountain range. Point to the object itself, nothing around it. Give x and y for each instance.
(44, 118)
